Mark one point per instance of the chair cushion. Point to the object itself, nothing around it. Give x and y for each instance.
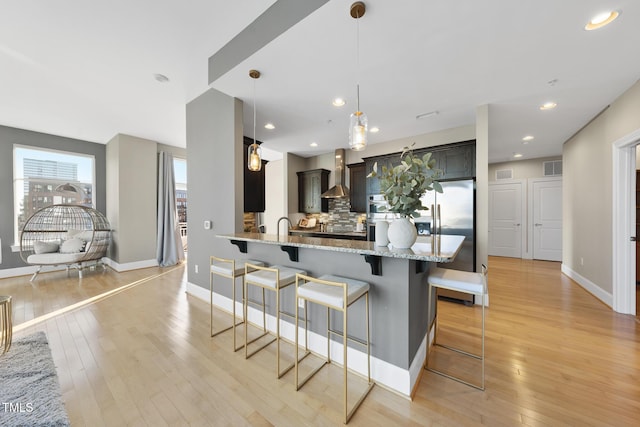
(225, 267)
(40, 247)
(268, 278)
(462, 281)
(55, 258)
(333, 295)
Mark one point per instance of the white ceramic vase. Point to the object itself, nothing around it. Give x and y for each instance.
(382, 233)
(402, 233)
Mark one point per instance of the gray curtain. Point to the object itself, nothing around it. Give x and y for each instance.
(170, 250)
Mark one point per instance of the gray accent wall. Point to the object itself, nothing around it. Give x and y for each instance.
(215, 178)
(132, 196)
(10, 136)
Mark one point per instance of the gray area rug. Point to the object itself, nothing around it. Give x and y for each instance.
(29, 388)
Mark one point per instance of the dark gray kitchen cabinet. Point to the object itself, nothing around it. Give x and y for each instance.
(311, 185)
(389, 160)
(456, 161)
(358, 187)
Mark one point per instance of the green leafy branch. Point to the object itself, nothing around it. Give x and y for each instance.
(404, 185)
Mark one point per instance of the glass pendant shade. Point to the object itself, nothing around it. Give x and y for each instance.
(254, 159)
(358, 129)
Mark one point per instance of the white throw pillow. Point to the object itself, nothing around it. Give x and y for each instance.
(72, 246)
(45, 247)
(86, 235)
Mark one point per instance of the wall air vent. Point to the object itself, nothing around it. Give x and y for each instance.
(552, 168)
(504, 174)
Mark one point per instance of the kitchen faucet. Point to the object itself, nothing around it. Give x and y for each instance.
(278, 225)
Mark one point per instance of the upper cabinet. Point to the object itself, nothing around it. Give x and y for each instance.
(311, 185)
(358, 187)
(254, 184)
(456, 161)
(389, 160)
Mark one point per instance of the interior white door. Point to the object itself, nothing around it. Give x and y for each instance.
(505, 220)
(547, 220)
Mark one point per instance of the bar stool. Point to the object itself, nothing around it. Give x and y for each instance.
(274, 279)
(337, 293)
(231, 269)
(460, 281)
(6, 326)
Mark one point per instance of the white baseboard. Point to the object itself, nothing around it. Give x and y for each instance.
(23, 271)
(130, 265)
(384, 373)
(589, 286)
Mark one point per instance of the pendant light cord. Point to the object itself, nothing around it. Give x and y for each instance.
(358, 61)
(254, 111)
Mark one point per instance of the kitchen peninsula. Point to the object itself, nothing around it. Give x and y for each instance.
(398, 296)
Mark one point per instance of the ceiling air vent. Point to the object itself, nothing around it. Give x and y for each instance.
(504, 174)
(552, 168)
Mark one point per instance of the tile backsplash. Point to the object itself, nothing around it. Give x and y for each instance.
(339, 218)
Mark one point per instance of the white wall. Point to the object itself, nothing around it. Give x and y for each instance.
(522, 169)
(275, 203)
(447, 136)
(587, 189)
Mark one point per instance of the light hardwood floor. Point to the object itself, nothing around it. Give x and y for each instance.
(143, 356)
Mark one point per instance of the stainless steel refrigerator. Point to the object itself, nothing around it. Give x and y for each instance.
(454, 213)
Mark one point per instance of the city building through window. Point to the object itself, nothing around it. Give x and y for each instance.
(46, 177)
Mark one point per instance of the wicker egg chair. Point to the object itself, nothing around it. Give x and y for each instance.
(70, 235)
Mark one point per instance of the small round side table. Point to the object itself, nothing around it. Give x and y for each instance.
(6, 327)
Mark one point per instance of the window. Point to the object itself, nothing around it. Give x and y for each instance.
(46, 177)
(180, 175)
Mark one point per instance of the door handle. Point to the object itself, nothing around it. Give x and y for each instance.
(517, 225)
(537, 224)
(633, 238)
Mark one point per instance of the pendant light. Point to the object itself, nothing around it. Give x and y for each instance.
(254, 158)
(358, 125)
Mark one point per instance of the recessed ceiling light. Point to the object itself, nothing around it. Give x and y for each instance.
(602, 19)
(374, 130)
(269, 126)
(338, 102)
(548, 106)
(517, 155)
(313, 144)
(528, 138)
(161, 78)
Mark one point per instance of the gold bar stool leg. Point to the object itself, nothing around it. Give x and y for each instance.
(322, 291)
(6, 324)
(461, 281)
(230, 269)
(274, 278)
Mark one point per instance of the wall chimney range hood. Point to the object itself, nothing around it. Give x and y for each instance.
(339, 190)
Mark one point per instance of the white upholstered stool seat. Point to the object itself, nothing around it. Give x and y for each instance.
(333, 295)
(336, 293)
(456, 280)
(267, 278)
(461, 281)
(273, 279)
(230, 269)
(225, 269)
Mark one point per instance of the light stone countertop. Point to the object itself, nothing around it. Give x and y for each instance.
(436, 248)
